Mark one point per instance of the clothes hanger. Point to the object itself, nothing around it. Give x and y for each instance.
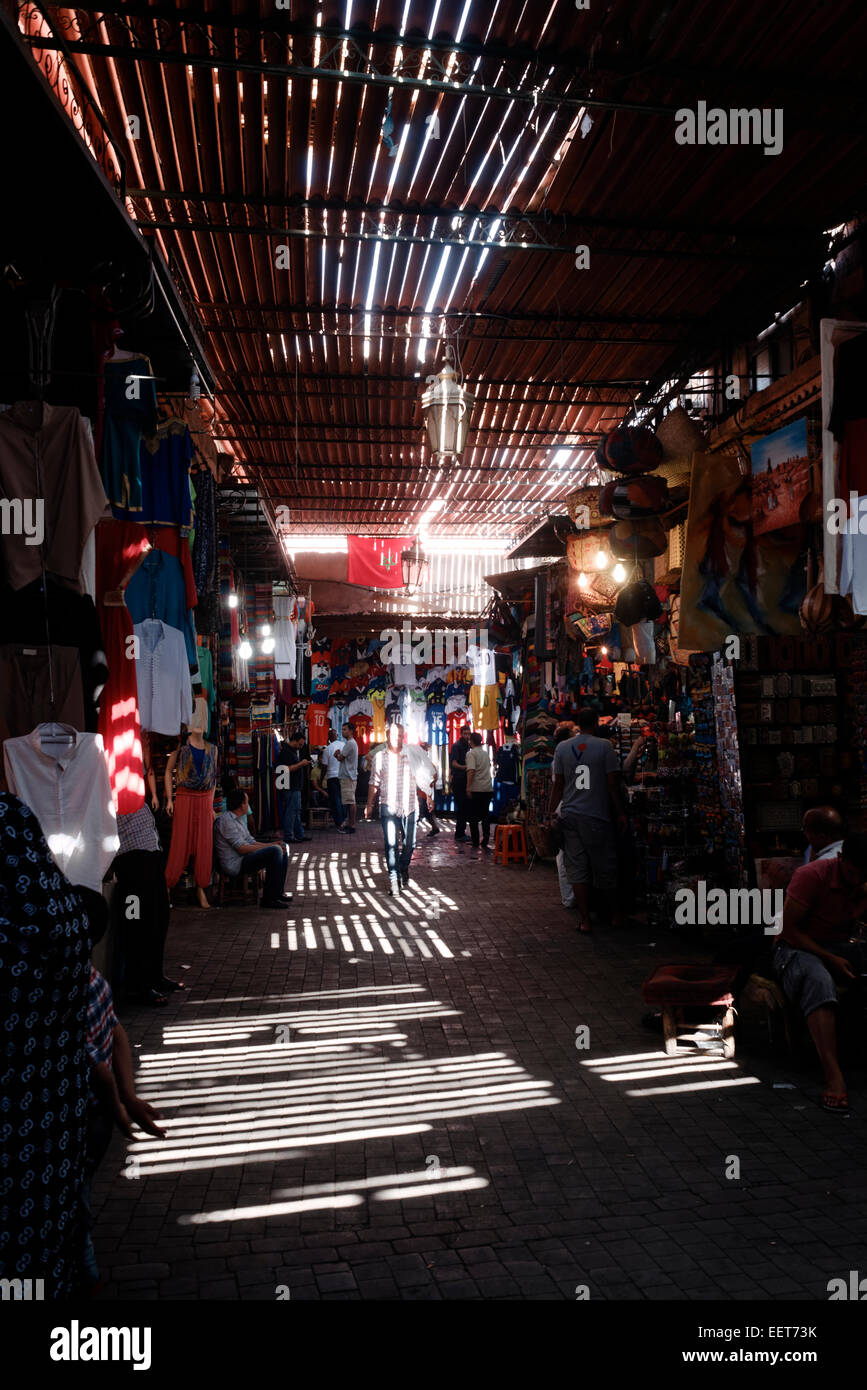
(57, 735)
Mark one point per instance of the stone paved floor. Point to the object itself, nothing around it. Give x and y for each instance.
(380, 1101)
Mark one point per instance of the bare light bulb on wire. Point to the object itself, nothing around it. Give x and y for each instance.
(618, 573)
(233, 600)
(583, 581)
(268, 645)
(245, 651)
(601, 559)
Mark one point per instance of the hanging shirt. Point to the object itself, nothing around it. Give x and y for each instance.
(165, 695)
(157, 590)
(317, 725)
(164, 463)
(853, 566)
(130, 411)
(483, 664)
(377, 701)
(436, 724)
(362, 724)
(403, 675)
(483, 702)
(196, 768)
(284, 638)
(68, 791)
(56, 441)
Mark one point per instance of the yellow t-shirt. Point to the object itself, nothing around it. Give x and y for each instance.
(483, 702)
(377, 700)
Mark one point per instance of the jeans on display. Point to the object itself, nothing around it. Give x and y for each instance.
(459, 790)
(478, 811)
(290, 814)
(141, 876)
(397, 857)
(335, 801)
(274, 859)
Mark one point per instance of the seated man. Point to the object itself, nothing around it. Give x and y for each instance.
(825, 900)
(239, 853)
(823, 829)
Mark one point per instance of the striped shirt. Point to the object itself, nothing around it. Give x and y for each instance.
(101, 1019)
(393, 774)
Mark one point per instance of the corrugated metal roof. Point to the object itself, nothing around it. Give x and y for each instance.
(430, 167)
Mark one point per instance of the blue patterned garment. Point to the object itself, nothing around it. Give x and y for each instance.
(44, 977)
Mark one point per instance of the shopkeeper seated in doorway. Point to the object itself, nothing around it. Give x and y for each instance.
(824, 905)
(239, 852)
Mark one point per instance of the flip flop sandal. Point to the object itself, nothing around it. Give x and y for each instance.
(836, 1101)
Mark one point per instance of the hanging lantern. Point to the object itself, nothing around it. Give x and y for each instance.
(447, 409)
(413, 563)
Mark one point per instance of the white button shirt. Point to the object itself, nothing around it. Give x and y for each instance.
(165, 693)
(68, 791)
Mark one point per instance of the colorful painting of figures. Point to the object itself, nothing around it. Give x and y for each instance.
(781, 477)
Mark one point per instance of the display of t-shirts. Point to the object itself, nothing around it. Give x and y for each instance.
(508, 766)
(284, 633)
(394, 712)
(436, 724)
(67, 789)
(454, 724)
(433, 674)
(853, 565)
(46, 455)
(33, 617)
(483, 703)
(165, 695)
(456, 703)
(156, 590)
(129, 412)
(317, 725)
(483, 664)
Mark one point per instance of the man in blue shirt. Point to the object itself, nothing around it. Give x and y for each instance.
(239, 853)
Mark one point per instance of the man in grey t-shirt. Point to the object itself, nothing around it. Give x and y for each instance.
(585, 771)
(348, 760)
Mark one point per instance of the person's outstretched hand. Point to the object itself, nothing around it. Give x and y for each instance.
(145, 1117)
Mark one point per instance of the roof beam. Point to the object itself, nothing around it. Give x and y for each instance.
(396, 394)
(517, 243)
(570, 225)
(567, 322)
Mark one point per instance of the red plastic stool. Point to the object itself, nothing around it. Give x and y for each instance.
(509, 843)
(676, 987)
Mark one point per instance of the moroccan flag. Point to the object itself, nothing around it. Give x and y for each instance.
(375, 561)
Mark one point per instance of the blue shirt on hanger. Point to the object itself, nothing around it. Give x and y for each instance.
(157, 590)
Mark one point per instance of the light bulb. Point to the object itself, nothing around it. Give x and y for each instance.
(583, 581)
(265, 630)
(245, 651)
(619, 573)
(268, 645)
(604, 651)
(601, 559)
(233, 600)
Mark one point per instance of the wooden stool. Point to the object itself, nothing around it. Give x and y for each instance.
(510, 843)
(677, 987)
(319, 815)
(242, 883)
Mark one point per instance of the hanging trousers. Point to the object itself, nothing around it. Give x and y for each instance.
(192, 834)
(143, 916)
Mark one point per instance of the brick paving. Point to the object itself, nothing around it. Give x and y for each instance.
(370, 1099)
